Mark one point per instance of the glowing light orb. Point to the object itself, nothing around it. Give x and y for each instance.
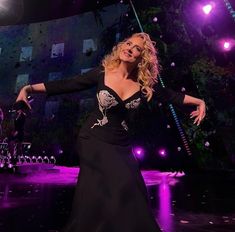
(162, 152)
(207, 9)
(138, 152)
(227, 45)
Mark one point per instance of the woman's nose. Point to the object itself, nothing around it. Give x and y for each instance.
(130, 50)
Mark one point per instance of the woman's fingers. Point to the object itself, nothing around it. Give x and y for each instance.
(199, 114)
(198, 118)
(194, 113)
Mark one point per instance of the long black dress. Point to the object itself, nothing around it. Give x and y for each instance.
(111, 194)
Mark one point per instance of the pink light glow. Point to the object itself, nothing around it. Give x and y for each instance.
(207, 9)
(165, 218)
(227, 45)
(162, 152)
(138, 152)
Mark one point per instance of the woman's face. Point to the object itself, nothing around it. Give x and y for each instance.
(131, 50)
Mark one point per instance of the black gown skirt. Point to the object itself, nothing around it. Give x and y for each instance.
(111, 195)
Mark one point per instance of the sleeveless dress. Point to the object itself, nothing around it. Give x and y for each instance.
(111, 195)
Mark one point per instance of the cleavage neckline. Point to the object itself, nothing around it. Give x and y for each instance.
(122, 100)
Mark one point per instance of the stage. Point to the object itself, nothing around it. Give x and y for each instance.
(41, 201)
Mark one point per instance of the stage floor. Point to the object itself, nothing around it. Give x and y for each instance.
(41, 202)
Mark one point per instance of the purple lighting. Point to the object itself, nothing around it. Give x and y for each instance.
(226, 44)
(138, 152)
(165, 210)
(162, 152)
(207, 9)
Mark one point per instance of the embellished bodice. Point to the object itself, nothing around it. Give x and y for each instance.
(108, 121)
(109, 118)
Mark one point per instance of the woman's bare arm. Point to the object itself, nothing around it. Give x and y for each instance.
(198, 114)
(28, 89)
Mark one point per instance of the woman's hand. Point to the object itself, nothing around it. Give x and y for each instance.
(23, 95)
(199, 114)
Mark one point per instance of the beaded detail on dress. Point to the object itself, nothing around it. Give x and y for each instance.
(133, 104)
(105, 101)
(124, 125)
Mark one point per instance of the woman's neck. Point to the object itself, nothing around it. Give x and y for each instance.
(124, 70)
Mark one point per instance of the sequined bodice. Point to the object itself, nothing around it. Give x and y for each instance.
(111, 112)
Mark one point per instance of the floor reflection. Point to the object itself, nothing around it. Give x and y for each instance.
(41, 202)
(165, 211)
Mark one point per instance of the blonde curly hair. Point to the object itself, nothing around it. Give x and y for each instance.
(148, 68)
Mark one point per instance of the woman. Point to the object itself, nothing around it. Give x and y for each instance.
(111, 195)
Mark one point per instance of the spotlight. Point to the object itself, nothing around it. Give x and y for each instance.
(39, 159)
(207, 8)
(10, 166)
(52, 160)
(138, 152)
(28, 159)
(34, 159)
(227, 45)
(162, 152)
(46, 160)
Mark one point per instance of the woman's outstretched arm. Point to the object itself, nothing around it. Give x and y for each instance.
(77, 83)
(167, 95)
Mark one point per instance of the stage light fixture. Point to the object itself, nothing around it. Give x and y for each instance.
(46, 160)
(10, 166)
(138, 152)
(52, 160)
(226, 45)
(28, 159)
(40, 159)
(34, 159)
(207, 9)
(162, 152)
